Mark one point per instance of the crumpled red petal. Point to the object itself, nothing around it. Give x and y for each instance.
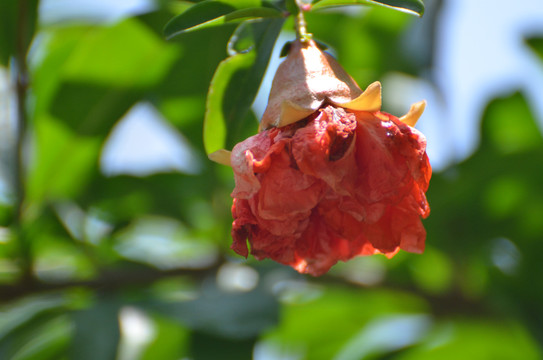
(333, 186)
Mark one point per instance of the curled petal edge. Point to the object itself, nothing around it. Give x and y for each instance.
(290, 113)
(414, 113)
(221, 156)
(369, 100)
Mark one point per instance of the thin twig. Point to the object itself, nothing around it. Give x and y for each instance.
(300, 24)
(21, 71)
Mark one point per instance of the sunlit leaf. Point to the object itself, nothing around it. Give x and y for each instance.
(32, 327)
(47, 340)
(170, 342)
(432, 272)
(415, 7)
(215, 13)
(57, 258)
(19, 313)
(215, 122)
(126, 54)
(510, 127)
(386, 334)
(234, 87)
(306, 307)
(64, 161)
(477, 340)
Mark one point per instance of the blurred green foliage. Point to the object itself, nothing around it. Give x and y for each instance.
(125, 266)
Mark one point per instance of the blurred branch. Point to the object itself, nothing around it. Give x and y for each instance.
(107, 281)
(22, 83)
(446, 304)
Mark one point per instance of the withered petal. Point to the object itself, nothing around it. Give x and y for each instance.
(221, 156)
(306, 79)
(414, 113)
(338, 185)
(369, 100)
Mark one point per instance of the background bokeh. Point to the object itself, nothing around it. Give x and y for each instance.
(115, 228)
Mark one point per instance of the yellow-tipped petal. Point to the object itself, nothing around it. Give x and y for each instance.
(306, 79)
(414, 113)
(290, 113)
(369, 100)
(221, 157)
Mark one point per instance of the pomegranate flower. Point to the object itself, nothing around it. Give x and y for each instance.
(329, 176)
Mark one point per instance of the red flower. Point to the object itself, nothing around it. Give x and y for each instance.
(331, 177)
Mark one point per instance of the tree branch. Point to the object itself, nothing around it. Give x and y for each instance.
(107, 281)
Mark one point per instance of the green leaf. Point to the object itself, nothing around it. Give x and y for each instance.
(232, 315)
(64, 161)
(234, 87)
(170, 343)
(415, 7)
(215, 122)
(12, 34)
(505, 135)
(32, 329)
(536, 43)
(91, 110)
(472, 338)
(46, 340)
(127, 54)
(18, 314)
(292, 7)
(206, 346)
(306, 306)
(214, 13)
(97, 330)
(8, 26)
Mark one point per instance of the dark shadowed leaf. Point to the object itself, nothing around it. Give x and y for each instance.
(491, 199)
(415, 7)
(90, 109)
(13, 13)
(234, 315)
(234, 87)
(8, 24)
(536, 43)
(206, 346)
(97, 331)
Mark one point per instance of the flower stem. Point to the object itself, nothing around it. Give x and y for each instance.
(21, 70)
(300, 24)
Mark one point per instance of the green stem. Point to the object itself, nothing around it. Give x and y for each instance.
(300, 24)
